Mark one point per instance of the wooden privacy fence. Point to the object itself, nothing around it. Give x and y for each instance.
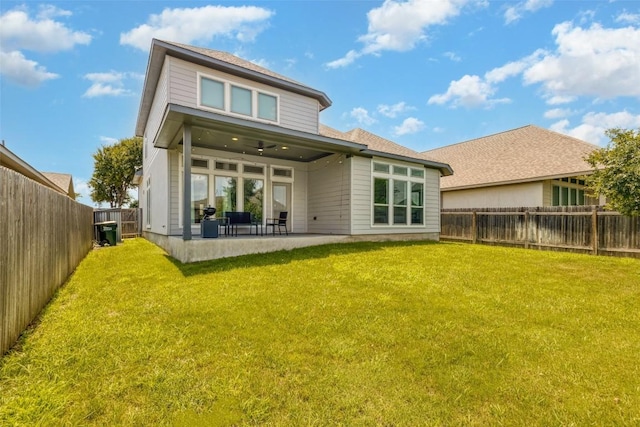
(129, 221)
(587, 229)
(43, 237)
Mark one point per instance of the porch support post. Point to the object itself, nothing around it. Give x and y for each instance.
(186, 182)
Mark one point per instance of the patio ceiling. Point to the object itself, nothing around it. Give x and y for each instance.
(225, 133)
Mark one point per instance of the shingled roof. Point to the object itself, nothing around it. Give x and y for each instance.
(63, 180)
(372, 141)
(232, 59)
(525, 154)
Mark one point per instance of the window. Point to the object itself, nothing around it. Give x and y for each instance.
(225, 166)
(398, 201)
(417, 173)
(259, 170)
(282, 173)
(200, 163)
(400, 170)
(267, 107)
(380, 201)
(212, 93)
(223, 95)
(226, 194)
(199, 196)
(241, 101)
(417, 203)
(254, 197)
(380, 167)
(567, 196)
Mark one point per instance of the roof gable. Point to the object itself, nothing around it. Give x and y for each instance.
(217, 60)
(525, 154)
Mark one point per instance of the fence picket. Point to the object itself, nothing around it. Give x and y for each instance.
(586, 229)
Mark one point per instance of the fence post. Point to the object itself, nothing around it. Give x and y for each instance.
(474, 227)
(594, 230)
(526, 229)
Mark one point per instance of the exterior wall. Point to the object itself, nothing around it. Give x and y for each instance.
(296, 111)
(527, 194)
(432, 200)
(328, 196)
(362, 203)
(155, 164)
(158, 106)
(157, 171)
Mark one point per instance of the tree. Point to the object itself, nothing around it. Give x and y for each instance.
(617, 171)
(114, 167)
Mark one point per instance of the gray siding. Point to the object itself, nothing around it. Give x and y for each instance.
(296, 111)
(329, 196)
(361, 205)
(432, 200)
(158, 106)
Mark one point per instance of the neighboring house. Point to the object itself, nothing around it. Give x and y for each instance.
(222, 131)
(11, 161)
(63, 180)
(528, 166)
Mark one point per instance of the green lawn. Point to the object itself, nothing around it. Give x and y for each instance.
(357, 334)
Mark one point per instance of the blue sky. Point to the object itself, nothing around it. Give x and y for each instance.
(421, 73)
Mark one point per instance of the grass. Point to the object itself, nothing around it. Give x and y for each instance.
(355, 334)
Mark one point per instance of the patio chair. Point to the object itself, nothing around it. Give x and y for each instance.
(280, 222)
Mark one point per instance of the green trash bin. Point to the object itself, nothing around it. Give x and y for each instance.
(107, 233)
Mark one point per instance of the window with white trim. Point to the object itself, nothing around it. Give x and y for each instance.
(568, 192)
(227, 185)
(398, 195)
(222, 95)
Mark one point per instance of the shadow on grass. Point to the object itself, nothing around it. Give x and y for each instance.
(287, 256)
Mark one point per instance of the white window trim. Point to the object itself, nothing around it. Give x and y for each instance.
(391, 177)
(227, 98)
(212, 172)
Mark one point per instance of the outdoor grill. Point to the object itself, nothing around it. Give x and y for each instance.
(209, 212)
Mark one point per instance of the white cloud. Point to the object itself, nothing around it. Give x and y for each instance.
(20, 32)
(557, 113)
(410, 125)
(107, 84)
(81, 187)
(514, 13)
(469, 92)
(187, 25)
(393, 110)
(628, 18)
(594, 125)
(593, 61)
(362, 116)
(16, 68)
(348, 59)
(400, 25)
(452, 56)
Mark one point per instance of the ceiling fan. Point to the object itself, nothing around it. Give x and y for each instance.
(261, 147)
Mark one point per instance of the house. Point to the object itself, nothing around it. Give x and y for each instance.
(528, 166)
(11, 161)
(218, 130)
(63, 180)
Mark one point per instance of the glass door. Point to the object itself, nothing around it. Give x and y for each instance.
(281, 201)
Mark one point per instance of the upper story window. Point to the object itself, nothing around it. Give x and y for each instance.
(222, 95)
(212, 93)
(241, 101)
(267, 107)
